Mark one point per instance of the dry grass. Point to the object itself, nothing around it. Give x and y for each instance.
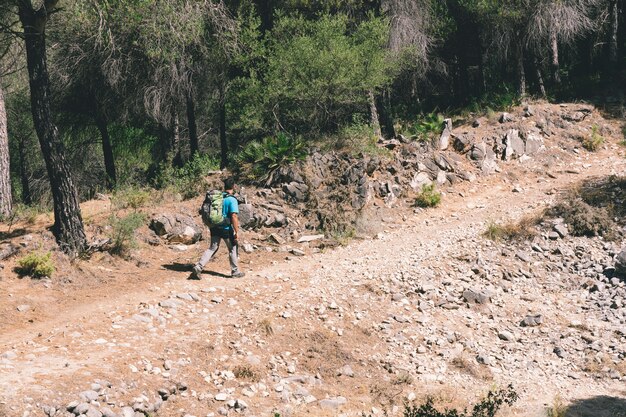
(404, 378)
(246, 372)
(266, 326)
(558, 408)
(469, 366)
(324, 354)
(522, 230)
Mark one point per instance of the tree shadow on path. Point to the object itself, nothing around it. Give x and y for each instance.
(600, 406)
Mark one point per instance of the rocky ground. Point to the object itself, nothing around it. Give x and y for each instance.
(427, 305)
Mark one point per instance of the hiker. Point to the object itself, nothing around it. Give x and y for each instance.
(227, 230)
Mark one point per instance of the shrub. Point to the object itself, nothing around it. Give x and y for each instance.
(503, 99)
(36, 265)
(593, 142)
(189, 179)
(487, 407)
(130, 197)
(258, 159)
(584, 219)
(123, 233)
(524, 229)
(428, 197)
(427, 127)
(558, 409)
(360, 138)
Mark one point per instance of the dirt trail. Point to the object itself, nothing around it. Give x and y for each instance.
(300, 318)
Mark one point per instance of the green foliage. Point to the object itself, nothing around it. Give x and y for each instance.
(189, 179)
(503, 98)
(36, 264)
(593, 142)
(130, 197)
(487, 407)
(427, 127)
(319, 71)
(359, 138)
(258, 159)
(132, 148)
(428, 197)
(122, 232)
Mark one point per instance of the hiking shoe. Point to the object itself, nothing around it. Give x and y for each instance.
(195, 272)
(237, 274)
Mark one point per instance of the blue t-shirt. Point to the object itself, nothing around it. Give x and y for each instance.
(230, 206)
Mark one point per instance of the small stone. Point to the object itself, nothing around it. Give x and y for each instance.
(346, 371)
(506, 336)
(23, 307)
(332, 403)
(297, 252)
(532, 321)
(89, 395)
(221, 396)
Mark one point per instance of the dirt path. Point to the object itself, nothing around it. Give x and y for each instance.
(280, 338)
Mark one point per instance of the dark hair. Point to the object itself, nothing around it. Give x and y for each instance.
(229, 183)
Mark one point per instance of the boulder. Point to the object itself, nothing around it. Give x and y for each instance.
(7, 250)
(297, 191)
(620, 262)
(444, 139)
(419, 180)
(246, 215)
(533, 144)
(176, 228)
(514, 146)
(462, 143)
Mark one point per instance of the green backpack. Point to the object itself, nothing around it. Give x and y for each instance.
(212, 209)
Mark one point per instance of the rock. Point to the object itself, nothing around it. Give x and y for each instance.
(107, 412)
(176, 228)
(23, 307)
(297, 191)
(420, 179)
(246, 215)
(127, 412)
(7, 250)
(310, 238)
(332, 403)
(532, 321)
(506, 336)
(620, 262)
(444, 139)
(276, 238)
(533, 144)
(89, 395)
(93, 412)
(505, 118)
(462, 143)
(514, 146)
(221, 397)
(472, 296)
(81, 408)
(528, 111)
(561, 229)
(346, 371)
(247, 248)
(476, 123)
(297, 252)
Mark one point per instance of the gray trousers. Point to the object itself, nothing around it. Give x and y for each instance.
(233, 250)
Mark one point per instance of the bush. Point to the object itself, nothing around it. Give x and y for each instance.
(428, 197)
(36, 265)
(130, 197)
(593, 142)
(584, 219)
(524, 229)
(123, 233)
(189, 179)
(257, 160)
(487, 407)
(427, 127)
(360, 138)
(503, 99)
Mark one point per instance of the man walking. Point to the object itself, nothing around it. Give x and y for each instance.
(229, 232)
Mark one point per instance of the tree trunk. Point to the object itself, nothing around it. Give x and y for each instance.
(223, 139)
(375, 122)
(554, 47)
(614, 29)
(177, 159)
(521, 74)
(542, 87)
(68, 224)
(26, 195)
(107, 150)
(384, 106)
(191, 124)
(6, 199)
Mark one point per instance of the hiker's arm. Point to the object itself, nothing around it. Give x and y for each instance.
(235, 222)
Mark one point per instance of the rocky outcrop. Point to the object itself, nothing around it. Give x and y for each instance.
(176, 228)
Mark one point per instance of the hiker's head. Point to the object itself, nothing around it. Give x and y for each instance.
(229, 183)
